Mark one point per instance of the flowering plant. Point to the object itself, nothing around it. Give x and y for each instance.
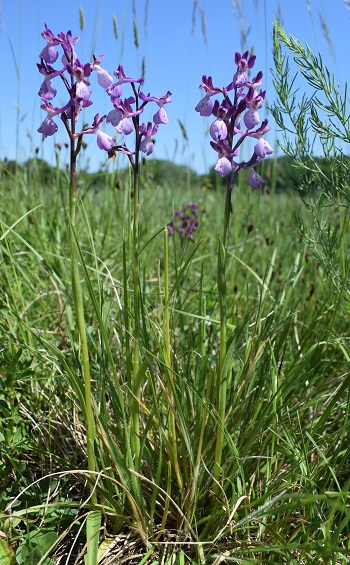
(235, 119)
(228, 125)
(184, 221)
(124, 116)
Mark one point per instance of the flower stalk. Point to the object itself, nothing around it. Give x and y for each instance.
(168, 366)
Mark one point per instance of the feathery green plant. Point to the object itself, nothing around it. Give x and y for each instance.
(321, 117)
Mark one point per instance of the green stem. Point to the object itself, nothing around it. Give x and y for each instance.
(137, 314)
(167, 359)
(79, 311)
(221, 387)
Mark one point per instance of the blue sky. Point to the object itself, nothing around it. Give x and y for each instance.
(176, 57)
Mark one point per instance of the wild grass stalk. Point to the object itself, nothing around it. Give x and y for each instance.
(221, 384)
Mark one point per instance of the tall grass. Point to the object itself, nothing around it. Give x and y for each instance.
(282, 488)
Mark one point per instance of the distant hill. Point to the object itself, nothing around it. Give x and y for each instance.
(279, 174)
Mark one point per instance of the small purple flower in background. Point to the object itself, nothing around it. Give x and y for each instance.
(184, 222)
(230, 114)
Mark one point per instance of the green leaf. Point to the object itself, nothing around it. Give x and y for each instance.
(7, 555)
(93, 524)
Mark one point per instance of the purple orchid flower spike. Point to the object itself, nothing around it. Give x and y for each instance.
(184, 222)
(159, 117)
(236, 110)
(76, 77)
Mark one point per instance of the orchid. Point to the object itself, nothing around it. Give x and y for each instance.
(184, 222)
(76, 76)
(122, 78)
(120, 116)
(205, 105)
(146, 145)
(104, 79)
(235, 106)
(231, 114)
(160, 117)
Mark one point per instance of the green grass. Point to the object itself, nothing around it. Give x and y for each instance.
(282, 494)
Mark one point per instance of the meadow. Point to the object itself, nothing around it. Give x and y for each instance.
(177, 395)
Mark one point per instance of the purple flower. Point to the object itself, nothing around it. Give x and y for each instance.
(75, 76)
(48, 127)
(104, 79)
(49, 54)
(82, 91)
(146, 145)
(262, 148)
(160, 117)
(47, 106)
(240, 78)
(104, 141)
(122, 78)
(205, 105)
(114, 92)
(254, 101)
(224, 163)
(255, 180)
(218, 129)
(184, 222)
(47, 90)
(234, 110)
(67, 42)
(251, 118)
(119, 117)
(94, 128)
(48, 71)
